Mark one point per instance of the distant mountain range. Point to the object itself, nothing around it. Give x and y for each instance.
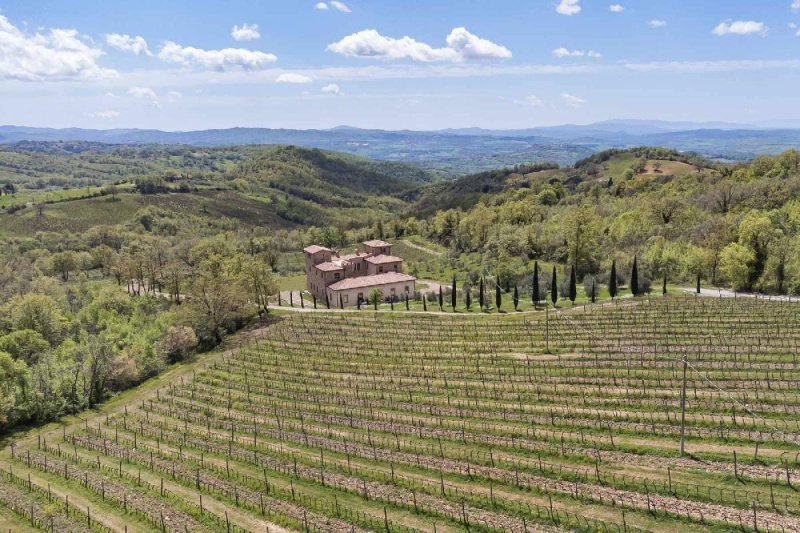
(458, 151)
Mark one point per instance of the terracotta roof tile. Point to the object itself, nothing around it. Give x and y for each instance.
(371, 281)
(381, 259)
(313, 249)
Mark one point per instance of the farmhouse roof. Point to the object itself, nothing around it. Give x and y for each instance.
(371, 281)
(330, 265)
(354, 255)
(381, 259)
(376, 243)
(313, 249)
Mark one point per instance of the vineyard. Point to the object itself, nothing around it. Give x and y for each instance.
(395, 422)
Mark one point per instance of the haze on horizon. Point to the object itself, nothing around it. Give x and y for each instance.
(189, 65)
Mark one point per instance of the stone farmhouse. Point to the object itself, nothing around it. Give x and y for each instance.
(344, 279)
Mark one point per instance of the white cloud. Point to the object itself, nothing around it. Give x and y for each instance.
(59, 54)
(136, 45)
(618, 8)
(332, 88)
(572, 100)
(461, 45)
(145, 93)
(657, 23)
(174, 96)
(796, 5)
(713, 66)
(335, 4)
(740, 27)
(568, 7)
(341, 6)
(246, 32)
(530, 101)
(293, 77)
(215, 59)
(564, 52)
(105, 114)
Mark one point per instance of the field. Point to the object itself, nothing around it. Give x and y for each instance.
(414, 422)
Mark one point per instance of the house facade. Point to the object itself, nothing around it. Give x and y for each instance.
(344, 279)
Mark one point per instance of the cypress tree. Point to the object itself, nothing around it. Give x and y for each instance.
(535, 284)
(424, 303)
(635, 277)
(291, 299)
(302, 300)
(573, 285)
(279, 299)
(467, 297)
(664, 287)
(441, 298)
(698, 283)
(407, 302)
(612, 280)
(594, 291)
(516, 298)
(498, 296)
(327, 301)
(391, 303)
(358, 304)
(554, 287)
(315, 300)
(454, 294)
(481, 297)
(341, 304)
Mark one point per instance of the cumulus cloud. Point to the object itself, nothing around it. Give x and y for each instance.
(246, 32)
(572, 100)
(145, 93)
(568, 7)
(135, 45)
(332, 88)
(530, 101)
(796, 5)
(657, 23)
(619, 8)
(104, 114)
(341, 6)
(740, 27)
(335, 4)
(220, 60)
(293, 77)
(564, 52)
(58, 54)
(461, 46)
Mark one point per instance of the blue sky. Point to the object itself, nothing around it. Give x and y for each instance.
(415, 64)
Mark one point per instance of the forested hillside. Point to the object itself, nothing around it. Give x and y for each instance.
(735, 225)
(116, 262)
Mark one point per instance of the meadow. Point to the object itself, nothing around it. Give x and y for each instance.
(385, 421)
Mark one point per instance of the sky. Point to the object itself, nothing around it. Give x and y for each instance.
(411, 64)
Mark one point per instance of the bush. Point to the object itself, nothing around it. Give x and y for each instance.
(177, 344)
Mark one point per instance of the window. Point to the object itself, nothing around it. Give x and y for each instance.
(336, 275)
(406, 288)
(393, 292)
(380, 269)
(360, 296)
(344, 298)
(395, 268)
